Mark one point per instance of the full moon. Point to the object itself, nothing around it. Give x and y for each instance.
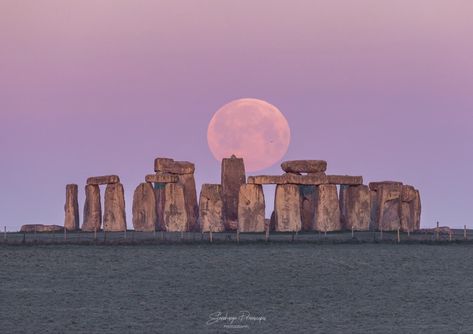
(251, 129)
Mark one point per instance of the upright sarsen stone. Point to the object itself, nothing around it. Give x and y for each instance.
(251, 208)
(355, 207)
(308, 197)
(144, 208)
(190, 198)
(175, 216)
(327, 212)
(410, 209)
(114, 218)
(71, 208)
(388, 207)
(211, 208)
(287, 208)
(92, 209)
(233, 176)
(159, 193)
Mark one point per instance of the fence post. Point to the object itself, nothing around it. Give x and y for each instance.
(437, 232)
(238, 235)
(5, 233)
(210, 234)
(154, 234)
(35, 234)
(381, 235)
(353, 232)
(398, 236)
(95, 234)
(267, 233)
(65, 234)
(464, 232)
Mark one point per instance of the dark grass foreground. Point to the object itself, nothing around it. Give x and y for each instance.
(296, 288)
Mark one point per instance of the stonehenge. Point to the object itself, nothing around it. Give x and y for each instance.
(92, 209)
(144, 208)
(211, 208)
(175, 213)
(287, 208)
(251, 208)
(114, 218)
(232, 177)
(306, 199)
(71, 208)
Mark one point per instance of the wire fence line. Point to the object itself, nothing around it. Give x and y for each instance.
(160, 237)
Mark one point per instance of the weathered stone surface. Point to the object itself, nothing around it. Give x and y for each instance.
(71, 208)
(304, 166)
(345, 179)
(417, 211)
(410, 209)
(375, 185)
(31, 228)
(92, 209)
(327, 212)
(355, 207)
(389, 206)
(211, 208)
(190, 198)
(159, 196)
(233, 176)
(114, 218)
(162, 178)
(144, 208)
(251, 208)
(408, 193)
(289, 178)
(166, 165)
(308, 197)
(374, 204)
(106, 179)
(287, 208)
(175, 216)
(272, 221)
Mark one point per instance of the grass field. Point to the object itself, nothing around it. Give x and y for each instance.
(284, 287)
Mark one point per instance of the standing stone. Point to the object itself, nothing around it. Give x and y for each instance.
(272, 221)
(159, 196)
(211, 208)
(417, 211)
(287, 208)
(144, 208)
(355, 207)
(233, 176)
(92, 209)
(71, 208)
(374, 210)
(308, 197)
(251, 208)
(175, 216)
(389, 206)
(114, 218)
(410, 209)
(327, 212)
(190, 198)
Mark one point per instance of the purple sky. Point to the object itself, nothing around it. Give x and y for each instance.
(382, 89)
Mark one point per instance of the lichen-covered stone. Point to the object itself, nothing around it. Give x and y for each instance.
(327, 212)
(211, 208)
(304, 166)
(166, 165)
(308, 197)
(251, 208)
(233, 176)
(175, 216)
(71, 208)
(114, 218)
(190, 198)
(144, 208)
(106, 179)
(92, 209)
(355, 207)
(287, 208)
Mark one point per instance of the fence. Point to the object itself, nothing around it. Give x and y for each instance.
(159, 237)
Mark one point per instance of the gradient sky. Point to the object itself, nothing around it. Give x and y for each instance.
(377, 88)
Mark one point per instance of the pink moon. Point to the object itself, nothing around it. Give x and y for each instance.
(251, 129)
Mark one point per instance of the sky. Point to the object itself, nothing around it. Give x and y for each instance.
(381, 89)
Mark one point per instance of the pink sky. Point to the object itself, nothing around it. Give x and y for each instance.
(377, 88)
